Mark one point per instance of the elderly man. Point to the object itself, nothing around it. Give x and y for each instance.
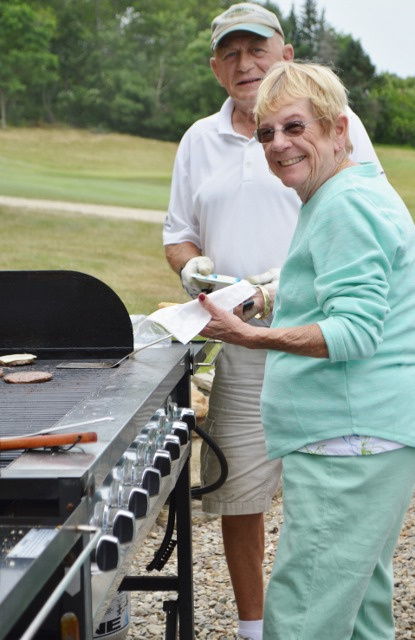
(228, 214)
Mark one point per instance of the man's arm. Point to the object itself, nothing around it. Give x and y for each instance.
(179, 254)
(186, 259)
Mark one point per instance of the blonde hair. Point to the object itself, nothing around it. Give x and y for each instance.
(294, 80)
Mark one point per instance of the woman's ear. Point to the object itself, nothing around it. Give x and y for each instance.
(341, 128)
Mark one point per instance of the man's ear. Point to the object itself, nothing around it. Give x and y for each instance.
(288, 52)
(214, 67)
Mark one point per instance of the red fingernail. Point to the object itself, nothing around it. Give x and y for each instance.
(202, 296)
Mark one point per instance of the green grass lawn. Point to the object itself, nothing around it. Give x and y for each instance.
(126, 255)
(122, 170)
(399, 166)
(80, 166)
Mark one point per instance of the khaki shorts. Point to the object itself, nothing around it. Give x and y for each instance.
(234, 423)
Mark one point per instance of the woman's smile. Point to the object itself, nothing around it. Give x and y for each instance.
(291, 161)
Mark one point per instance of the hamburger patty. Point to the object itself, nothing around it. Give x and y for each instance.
(25, 377)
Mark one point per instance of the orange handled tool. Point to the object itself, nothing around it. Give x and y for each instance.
(47, 440)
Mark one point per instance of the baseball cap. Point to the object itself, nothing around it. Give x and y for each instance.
(245, 16)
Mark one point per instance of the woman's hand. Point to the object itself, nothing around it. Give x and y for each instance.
(306, 340)
(251, 307)
(224, 325)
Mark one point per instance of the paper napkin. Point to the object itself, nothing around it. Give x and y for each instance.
(185, 321)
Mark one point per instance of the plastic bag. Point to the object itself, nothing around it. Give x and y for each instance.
(146, 331)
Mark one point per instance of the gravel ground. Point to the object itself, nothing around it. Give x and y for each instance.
(215, 614)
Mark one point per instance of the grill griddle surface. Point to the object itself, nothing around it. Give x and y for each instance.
(27, 408)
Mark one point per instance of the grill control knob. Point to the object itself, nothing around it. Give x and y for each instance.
(107, 553)
(138, 502)
(151, 481)
(160, 414)
(184, 414)
(162, 462)
(152, 431)
(172, 445)
(124, 526)
(181, 430)
(188, 416)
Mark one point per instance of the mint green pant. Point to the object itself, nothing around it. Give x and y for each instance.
(332, 578)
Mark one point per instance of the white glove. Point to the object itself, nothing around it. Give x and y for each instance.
(198, 264)
(269, 279)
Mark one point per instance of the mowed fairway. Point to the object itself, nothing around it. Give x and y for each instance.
(110, 169)
(399, 166)
(126, 255)
(81, 166)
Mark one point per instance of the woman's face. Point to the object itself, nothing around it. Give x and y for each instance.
(306, 161)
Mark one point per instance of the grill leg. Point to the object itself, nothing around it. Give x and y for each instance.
(170, 607)
(184, 554)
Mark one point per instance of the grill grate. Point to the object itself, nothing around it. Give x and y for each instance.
(27, 408)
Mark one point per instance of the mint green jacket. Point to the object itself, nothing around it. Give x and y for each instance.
(351, 269)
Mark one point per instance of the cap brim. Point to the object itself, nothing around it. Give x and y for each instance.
(259, 29)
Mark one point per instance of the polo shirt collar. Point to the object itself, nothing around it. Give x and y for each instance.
(225, 118)
(225, 121)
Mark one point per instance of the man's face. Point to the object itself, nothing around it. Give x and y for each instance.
(241, 61)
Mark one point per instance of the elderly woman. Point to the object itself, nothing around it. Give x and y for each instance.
(338, 399)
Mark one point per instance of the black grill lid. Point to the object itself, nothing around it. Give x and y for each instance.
(62, 314)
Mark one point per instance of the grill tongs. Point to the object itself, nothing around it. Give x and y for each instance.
(82, 364)
(47, 440)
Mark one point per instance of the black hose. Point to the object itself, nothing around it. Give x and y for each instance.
(168, 544)
(200, 491)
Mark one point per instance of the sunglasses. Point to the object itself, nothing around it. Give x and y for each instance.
(291, 130)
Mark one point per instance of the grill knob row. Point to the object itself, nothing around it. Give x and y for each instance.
(127, 490)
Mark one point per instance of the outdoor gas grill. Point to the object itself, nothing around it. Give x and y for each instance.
(72, 519)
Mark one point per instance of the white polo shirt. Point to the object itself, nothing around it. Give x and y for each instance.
(225, 200)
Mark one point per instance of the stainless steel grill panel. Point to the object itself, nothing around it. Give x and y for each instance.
(55, 497)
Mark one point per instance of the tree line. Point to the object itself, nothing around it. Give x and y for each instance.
(142, 66)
